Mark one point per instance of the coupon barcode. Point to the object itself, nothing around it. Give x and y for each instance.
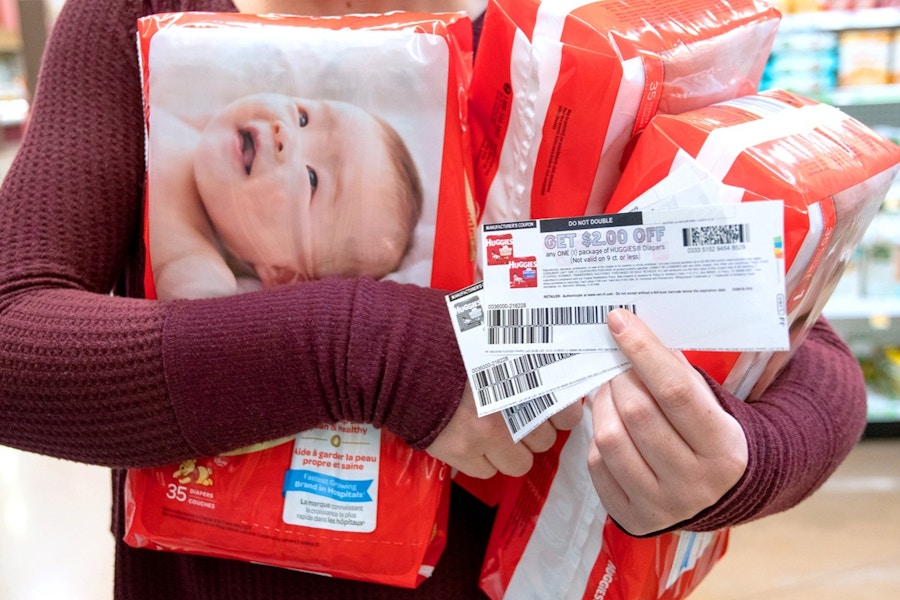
(535, 325)
(716, 235)
(506, 388)
(520, 416)
(530, 362)
(520, 335)
(519, 374)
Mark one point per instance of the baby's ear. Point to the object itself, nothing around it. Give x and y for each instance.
(276, 276)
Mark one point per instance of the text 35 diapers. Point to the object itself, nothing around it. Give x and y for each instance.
(558, 89)
(241, 107)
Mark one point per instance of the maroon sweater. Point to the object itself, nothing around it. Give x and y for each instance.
(99, 378)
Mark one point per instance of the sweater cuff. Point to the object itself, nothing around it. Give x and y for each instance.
(254, 367)
(422, 378)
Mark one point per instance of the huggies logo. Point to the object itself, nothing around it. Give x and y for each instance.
(604, 584)
(523, 272)
(469, 314)
(499, 249)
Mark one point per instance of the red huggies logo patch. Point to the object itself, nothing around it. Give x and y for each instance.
(499, 249)
(523, 272)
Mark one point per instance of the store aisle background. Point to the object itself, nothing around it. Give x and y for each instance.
(843, 543)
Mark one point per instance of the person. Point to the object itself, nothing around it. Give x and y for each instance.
(273, 189)
(117, 380)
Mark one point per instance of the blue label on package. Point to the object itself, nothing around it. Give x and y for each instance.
(328, 486)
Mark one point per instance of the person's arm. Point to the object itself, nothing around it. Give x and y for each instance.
(129, 382)
(799, 430)
(673, 450)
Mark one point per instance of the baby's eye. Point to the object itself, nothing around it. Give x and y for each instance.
(304, 118)
(313, 178)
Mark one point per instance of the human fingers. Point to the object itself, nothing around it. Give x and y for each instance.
(695, 450)
(541, 438)
(544, 435)
(508, 457)
(479, 446)
(458, 444)
(612, 496)
(680, 392)
(643, 489)
(653, 435)
(569, 417)
(614, 449)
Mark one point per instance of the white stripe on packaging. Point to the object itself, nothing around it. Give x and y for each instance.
(566, 541)
(534, 70)
(725, 144)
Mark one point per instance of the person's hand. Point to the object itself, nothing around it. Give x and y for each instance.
(482, 446)
(663, 448)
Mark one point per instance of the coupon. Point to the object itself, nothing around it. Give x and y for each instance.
(696, 275)
(529, 388)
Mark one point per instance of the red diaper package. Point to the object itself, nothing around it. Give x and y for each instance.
(197, 65)
(277, 154)
(562, 86)
(552, 538)
(233, 506)
(831, 171)
(559, 88)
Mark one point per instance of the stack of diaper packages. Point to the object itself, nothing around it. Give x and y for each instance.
(607, 107)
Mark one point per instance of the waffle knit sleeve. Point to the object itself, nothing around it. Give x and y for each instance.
(798, 431)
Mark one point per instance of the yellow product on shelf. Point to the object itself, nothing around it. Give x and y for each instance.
(798, 6)
(864, 57)
(895, 61)
(884, 375)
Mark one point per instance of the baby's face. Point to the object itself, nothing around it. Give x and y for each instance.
(299, 189)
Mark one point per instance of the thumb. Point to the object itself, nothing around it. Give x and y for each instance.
(646, 353)
(629, 332)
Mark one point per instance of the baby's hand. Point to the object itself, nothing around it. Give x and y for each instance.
(194, 276)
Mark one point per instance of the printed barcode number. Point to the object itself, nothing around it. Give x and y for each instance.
(562, 315)
(519, 416)
(716, 235)
(519, 374)
(535, 325)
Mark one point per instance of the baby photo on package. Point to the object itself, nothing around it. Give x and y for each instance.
(276, 152)
(285, 149)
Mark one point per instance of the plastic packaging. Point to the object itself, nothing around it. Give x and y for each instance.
(231, 507)
(552, 538)
(562, 86)
(276, 154)
(831, 171)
